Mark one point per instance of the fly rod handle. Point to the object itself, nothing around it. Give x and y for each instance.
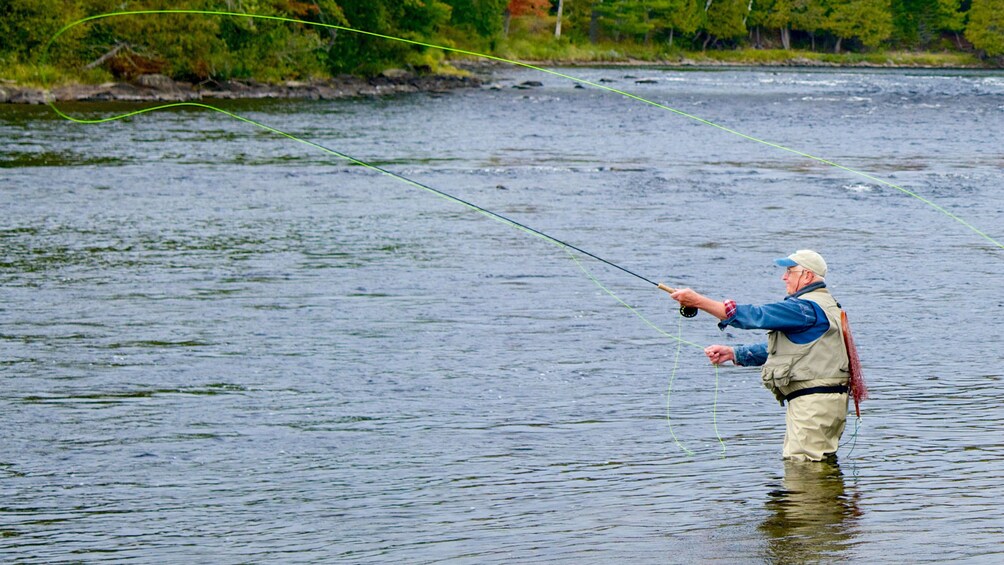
(685, 311)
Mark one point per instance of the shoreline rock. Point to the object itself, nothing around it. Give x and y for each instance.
(159, 88)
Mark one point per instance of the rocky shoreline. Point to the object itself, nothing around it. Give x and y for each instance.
(159, 88)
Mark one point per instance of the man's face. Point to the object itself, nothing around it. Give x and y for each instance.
(795, 278)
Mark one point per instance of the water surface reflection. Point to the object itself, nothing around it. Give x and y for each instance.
(812, 516)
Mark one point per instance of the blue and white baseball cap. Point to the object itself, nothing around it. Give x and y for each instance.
(805, 258)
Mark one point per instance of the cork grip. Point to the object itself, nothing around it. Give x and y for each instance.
(685, 311)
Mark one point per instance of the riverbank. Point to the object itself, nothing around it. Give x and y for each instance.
(474, 72)
(567, 54)
(159, 88)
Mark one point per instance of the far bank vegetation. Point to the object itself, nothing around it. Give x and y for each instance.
(200, 48)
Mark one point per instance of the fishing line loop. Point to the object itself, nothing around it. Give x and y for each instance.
(929, 203)
(568, 247)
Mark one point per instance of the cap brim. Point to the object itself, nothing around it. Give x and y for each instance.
(785, 262)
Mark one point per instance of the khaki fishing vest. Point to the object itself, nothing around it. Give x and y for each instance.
(825, 358)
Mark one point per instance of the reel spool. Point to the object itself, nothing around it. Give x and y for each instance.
(685, 311)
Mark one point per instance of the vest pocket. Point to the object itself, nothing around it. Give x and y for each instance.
(776, 374)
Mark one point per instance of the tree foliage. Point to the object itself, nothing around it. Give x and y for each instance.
(922, 22)
(482, 17)
(26, 25)
(646, 20)
(869, 21)
(986, 26)
(201, 47)
(726, 19)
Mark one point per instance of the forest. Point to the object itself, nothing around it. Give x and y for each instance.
(213, 47)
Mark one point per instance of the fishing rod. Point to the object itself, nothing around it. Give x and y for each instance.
(43, 58)
(685, 311)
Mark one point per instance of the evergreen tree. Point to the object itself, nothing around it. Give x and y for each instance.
(682, 16)
(584, 17)
(921, 22)
(410, 19)
(614, 17)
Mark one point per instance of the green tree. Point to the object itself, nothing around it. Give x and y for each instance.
(809, 16)
(270, 50)
(869, 21)
(422, 18)
(644, 20)
(725, 19)
(633, 20)
(617, 18)
(410, 19)
(774, 15)
(949, 16)
(27, 25)
(672, 16)
(921, 22)
(583, 20)
(986, 26)
(482, 17)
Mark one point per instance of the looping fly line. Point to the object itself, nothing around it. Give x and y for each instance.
(488, 213)
(497, 217)
(458, 51)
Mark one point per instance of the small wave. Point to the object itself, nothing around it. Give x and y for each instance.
(835, 99)
(858, 188)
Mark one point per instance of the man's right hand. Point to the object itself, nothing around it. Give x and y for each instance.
(719, 354)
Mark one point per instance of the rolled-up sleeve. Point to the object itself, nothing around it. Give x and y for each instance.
(751, 355)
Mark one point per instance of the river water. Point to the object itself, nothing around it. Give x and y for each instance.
(220, 345)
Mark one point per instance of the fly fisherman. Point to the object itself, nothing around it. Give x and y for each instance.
(804, 361)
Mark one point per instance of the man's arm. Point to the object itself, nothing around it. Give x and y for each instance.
(688, 297)
(791, 316)
(742, 355)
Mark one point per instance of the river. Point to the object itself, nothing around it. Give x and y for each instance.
(223, 346)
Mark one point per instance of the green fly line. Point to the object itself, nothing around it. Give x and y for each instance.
(568, 248)
(483, 211)
(669, 388)
(458, 51)
(680, 342)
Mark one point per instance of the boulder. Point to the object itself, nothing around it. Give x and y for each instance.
(157, 82)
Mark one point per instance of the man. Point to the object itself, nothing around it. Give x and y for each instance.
(804, 362)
